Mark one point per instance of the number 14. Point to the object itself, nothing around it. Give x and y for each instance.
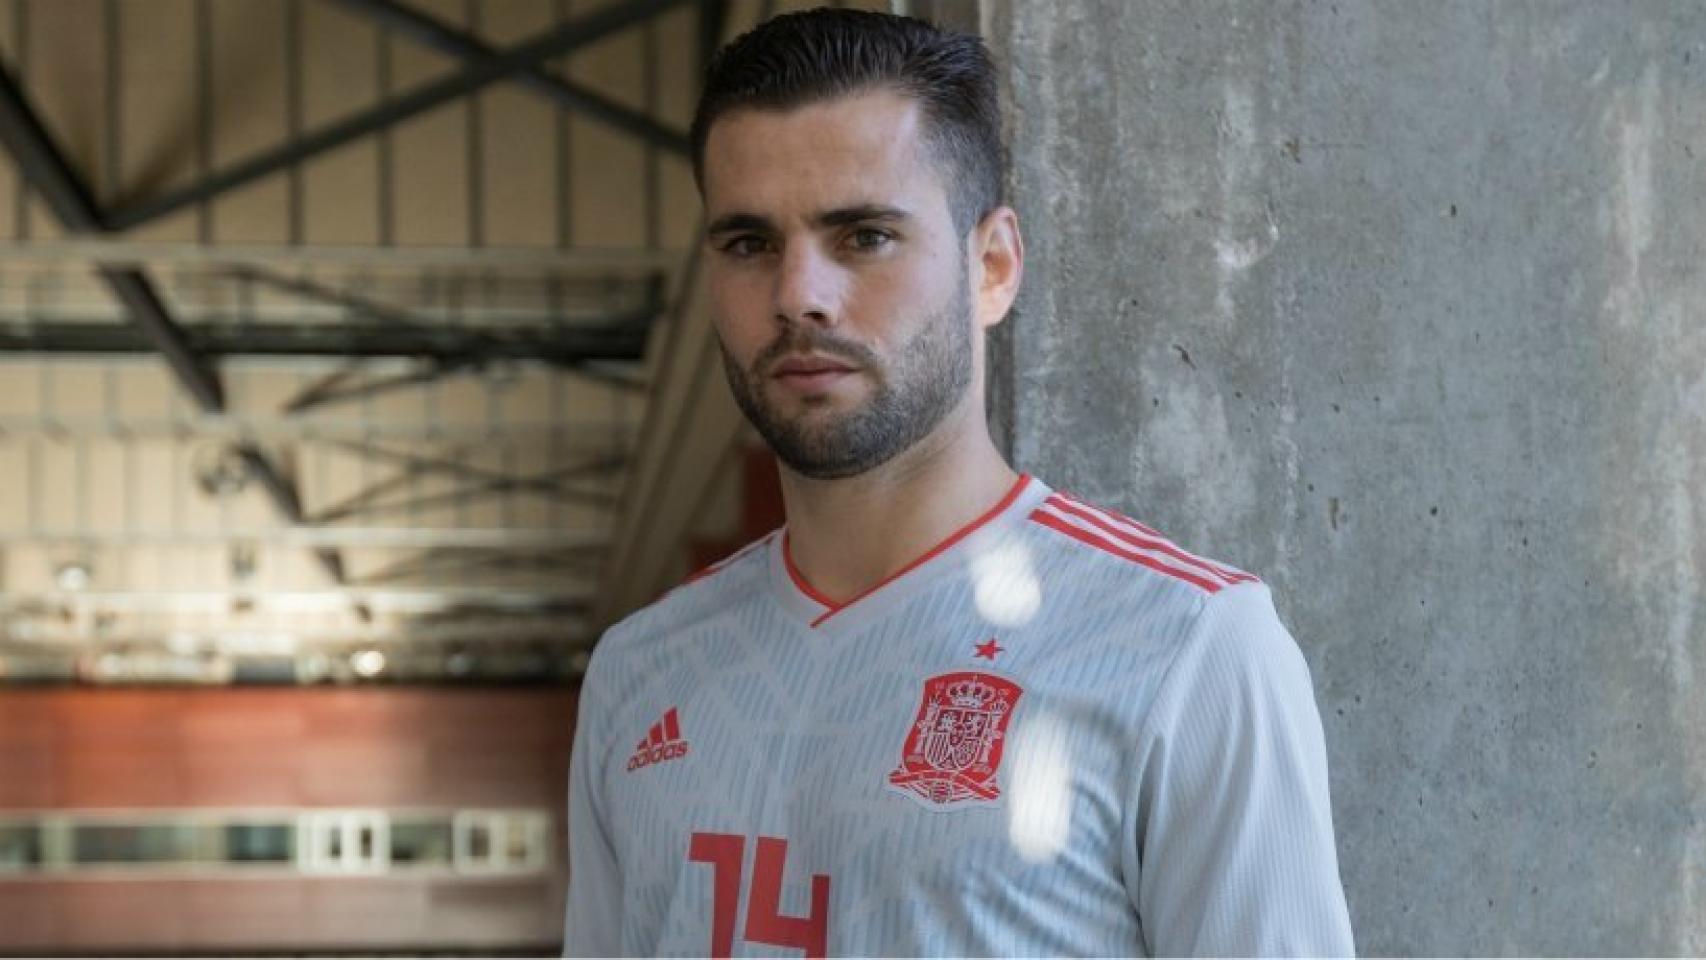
(764, 920)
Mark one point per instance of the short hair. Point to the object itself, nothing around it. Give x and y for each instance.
(802, 58)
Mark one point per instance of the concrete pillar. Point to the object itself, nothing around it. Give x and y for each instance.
(1402, 306)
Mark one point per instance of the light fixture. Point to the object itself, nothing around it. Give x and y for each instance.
(74, 575)
(221, 470)
(367, 663)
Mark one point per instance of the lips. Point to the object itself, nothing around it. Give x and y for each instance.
(810, 366)
(811, 374)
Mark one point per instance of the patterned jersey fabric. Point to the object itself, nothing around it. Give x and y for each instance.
(1056, 734)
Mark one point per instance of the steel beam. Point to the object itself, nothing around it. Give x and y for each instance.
(419, 465)
(445, 38)
(282, 491)
(486, 483)
(163, 335)
(624, 339)
(41, 162)
(120, 252)
(424, 538)
(354, 304)
(307, 429)
(578, 32)
(347, 389)
(44, 166)
(460, 565)
(467, 495)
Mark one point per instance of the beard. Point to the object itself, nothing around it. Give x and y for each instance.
(912, 394)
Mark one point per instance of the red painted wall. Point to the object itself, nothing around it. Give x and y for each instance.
(286, 746)
(761, 509)
(283, 747)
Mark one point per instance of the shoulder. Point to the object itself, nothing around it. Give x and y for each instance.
(1238, 651)
(704, 595)
(1128, 550)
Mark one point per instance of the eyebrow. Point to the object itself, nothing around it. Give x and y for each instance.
(841, 217)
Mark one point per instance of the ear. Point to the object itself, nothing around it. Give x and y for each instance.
(997, 263)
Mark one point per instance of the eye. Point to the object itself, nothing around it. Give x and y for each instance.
(869, 239)
(744, 245)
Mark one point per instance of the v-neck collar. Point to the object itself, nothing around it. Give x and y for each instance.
(817, 611)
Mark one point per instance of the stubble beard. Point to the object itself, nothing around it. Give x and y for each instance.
(912, 394)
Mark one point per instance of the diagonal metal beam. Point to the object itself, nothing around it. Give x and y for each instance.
(42, 163)
(319, 293)
(421, 465)
(325, 386)
(582, 265)
(342, 385)
(470, 494)
(282, 491)
(46, 169)
(353, 505)
(578, 32)
(445, 38)
(444, 562)
(373, 386)
(388, 537)
(485, 482)
(192, 369)
(621, 340)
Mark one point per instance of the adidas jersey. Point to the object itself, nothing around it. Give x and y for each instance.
(1057, 733)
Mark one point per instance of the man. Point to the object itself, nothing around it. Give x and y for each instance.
(945, 710)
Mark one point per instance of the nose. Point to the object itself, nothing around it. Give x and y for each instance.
(808, 287)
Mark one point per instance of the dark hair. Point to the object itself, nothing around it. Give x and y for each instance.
(802, 58)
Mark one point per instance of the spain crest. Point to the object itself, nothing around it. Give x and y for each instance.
(953, 748)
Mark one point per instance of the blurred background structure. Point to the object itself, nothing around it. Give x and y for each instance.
(352, 377)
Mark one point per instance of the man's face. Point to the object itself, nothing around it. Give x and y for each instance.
(838, 283)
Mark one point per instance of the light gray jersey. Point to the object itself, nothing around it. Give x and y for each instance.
(1055, 734)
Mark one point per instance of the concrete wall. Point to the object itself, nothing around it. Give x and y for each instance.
(1401, 306)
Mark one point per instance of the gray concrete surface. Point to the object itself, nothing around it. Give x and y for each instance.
(1401, 305)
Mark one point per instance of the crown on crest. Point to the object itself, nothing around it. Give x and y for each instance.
(970, 693)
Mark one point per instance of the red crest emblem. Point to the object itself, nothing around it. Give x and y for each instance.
(953, 749)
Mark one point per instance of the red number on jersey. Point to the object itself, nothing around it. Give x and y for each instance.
(765, 922)
(723, 852)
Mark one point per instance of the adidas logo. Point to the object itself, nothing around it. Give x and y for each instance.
(662, 743)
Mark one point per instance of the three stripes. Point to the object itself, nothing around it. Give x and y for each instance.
(1130, 540)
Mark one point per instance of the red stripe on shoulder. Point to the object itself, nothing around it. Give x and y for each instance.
(1130, 531)
(1054, 521)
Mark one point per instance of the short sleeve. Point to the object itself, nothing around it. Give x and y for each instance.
(1234, 829)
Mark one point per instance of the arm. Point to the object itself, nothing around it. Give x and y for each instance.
(592, 926)
(1235, 827)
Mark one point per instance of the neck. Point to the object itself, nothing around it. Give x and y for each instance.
(847, 535)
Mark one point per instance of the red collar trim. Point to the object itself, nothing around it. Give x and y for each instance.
(834, 608)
